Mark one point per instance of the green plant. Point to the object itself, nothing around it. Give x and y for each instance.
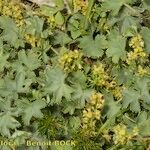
(77, 71)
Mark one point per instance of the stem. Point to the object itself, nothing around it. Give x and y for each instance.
(132, 9)
(114, 147)
(90, 5)
(54, 50)
(67, 6)
(110, 120)
(129, 118)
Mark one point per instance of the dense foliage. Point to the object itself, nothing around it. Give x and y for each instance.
(77, 71)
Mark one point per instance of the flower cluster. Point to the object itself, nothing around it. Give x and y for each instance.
(12, 10)
(106, 135)
(121, 134)
(92, 111)
(143, 71)
(80, 5)
(32, 40)
(137, 44)
(99, 76)
(1, 4)
(117, 92)
(115, 89)
(51, 21)
(71, 61)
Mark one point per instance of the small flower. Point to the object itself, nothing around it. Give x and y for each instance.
(136, 41)
(142, 71)
(97, 114)
(105, 134)
(92, 111)
(99, 75)
(120, 134)
(80, 5)
(71, 61)
(135, 131)
(137, 44)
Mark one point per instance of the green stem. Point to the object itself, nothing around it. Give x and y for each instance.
(68, 7)
(88, 12)
(110, 120)
(54, 50)
(132, 9)
(129, 118)
(114, 147)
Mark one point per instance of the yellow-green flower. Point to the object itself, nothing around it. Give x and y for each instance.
(80, 5)
(13, 10)
(143, 71)
(71, 61)
(99, 75)
(120, 134)
(92, 111)
(137, 44)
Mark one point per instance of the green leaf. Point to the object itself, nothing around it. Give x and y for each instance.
(31, 109)
(81, 91)
(3, 60)
(20, 137)
(69, 107)
(127, 25)
(7, 116)
(142, 116)
(111, 107)
(61, 147)
(145, 32)
(143, 122)
(48, 11)
(5, 106)
(55, 85)
(59, 19)
(22, 84)
(93, 48)
(146, 4)
(79, 77)
(34, 25)
(145, 128)
(29, 59)
(131, 98)
(122, 75)
(116, 47)
(62, 38)
(3, 147)
(143, 85)
(7, 122)
(74, 123)
(13, 87)
(10, 30)
(81, 94)
(74, 26)
(114, 5)
(75, 33)
(59, 4)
